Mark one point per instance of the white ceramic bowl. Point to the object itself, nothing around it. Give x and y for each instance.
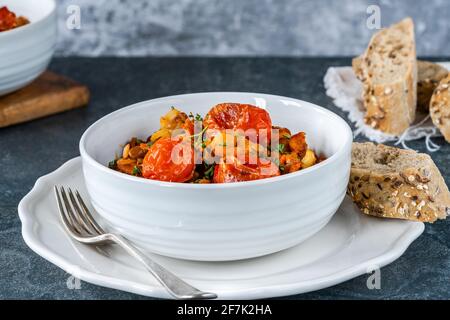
(218, 222)
(25, 52)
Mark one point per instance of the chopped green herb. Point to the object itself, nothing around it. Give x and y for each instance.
(112, 164)
(136, 171)
(224, 145)
(150, 143)
(287, 136)
(282, 168)
(209, 172)
(281, 148)
(276, 161)
(198, 139)
(198, 117)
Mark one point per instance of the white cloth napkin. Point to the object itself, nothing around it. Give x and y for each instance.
(346, 91)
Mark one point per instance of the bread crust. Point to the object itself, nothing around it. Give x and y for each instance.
(356, 66)
(429, 76)
(417, 193)
(391, 107)
(440, 107)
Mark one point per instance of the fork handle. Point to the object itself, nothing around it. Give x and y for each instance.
(174, 285)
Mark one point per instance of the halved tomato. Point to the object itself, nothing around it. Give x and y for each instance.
(7, 19)
(226, 172)
(169, 159)
(238, 116)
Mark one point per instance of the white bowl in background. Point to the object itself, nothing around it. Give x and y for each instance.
(218, 222)
(25, 52)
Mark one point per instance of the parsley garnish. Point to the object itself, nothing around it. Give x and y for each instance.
(197, 117)
(281, 147)
(136, 171)
(112, 164)
(276, 161)
(198, 138)
(209, 172)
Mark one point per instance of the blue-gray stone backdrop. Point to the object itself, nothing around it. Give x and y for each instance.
(243, 27)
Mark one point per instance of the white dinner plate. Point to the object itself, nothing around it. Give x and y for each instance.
(350, 245)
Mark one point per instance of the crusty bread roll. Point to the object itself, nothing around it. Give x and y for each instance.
(440, 107)
(429, 76)
(388, 70)
(395, 183)
(356, 66)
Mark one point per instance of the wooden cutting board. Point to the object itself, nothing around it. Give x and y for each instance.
(49, 94)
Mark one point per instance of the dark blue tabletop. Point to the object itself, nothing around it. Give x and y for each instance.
(30, 150)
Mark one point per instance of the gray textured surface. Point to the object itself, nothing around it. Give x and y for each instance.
(243, 27)
(36, 148)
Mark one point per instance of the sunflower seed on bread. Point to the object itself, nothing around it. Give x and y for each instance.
(429, 76)
(394, 183)
(440, 107)
(388, 70)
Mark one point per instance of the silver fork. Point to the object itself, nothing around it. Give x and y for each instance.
(81, 226)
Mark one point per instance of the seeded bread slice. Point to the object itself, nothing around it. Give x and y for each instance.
(429, 76)
(389, 75)
(356, 66)
(395, 183)
(440, 107)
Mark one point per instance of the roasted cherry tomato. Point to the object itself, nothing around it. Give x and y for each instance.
(170, 160)
(298, 144)
(225, 172)
(238, 116)
(7, 19)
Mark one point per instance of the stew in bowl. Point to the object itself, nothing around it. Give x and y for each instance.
(232, 143)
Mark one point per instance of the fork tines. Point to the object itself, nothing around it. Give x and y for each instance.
(75, 215)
